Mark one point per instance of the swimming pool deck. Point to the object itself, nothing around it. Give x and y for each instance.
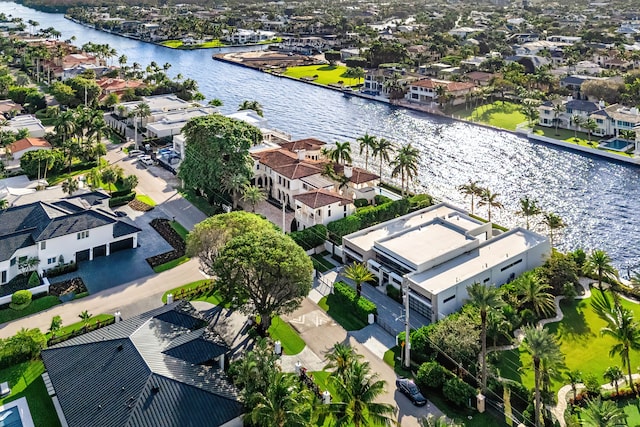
(22, 407)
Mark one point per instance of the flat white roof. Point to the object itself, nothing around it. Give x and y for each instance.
(177, 119)
(425, 242)
(489, 254)
(160, 103)
(366, 238)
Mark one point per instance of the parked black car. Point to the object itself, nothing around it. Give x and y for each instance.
(411, 390)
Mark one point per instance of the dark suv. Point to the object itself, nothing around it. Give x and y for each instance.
(411, 390)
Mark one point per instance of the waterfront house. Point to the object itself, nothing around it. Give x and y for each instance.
(616, 118)
(571, 108)
(22, 146)
(73, 229)
(164, 368)
(118, 86)
(425, 91)
(159, 105)
(437, 252)
(574, 83)
(171, 123)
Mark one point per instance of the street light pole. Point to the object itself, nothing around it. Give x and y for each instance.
(407, 332)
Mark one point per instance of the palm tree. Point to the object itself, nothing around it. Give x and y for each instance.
(130, 182)
(340, 358)
(528, 208)
(382, 150)
(359, 273)
(541, 345)
(406, 164)
(141, 111)
(367, 142)
(215, 102)
(621, 326)
(591, 126)
(574, 377)
(613, 374)
(599, 263)
(577, 122)
(558, 109)
(356, 393)
(341, 153)
(70, 186)
(599, 413)
(55, 326)
(484, 298)
(109, 176)
(553, 222)
(471, 189)
(85, 316)
(489, 199)
(233, 184)
(283, 404)
(533, 291)
(253, 195)
(251, 105)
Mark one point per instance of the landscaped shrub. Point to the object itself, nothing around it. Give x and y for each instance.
(20, 299)
(558, 270)
(379, 199)
(34, 280)
(422, 350)
(360, 203)
(592, 385)
(356, 61)
(457, 391)
(420, 201)
(344, 226)
(121, 200)
(121, 193)
(347, 295)
(61, 269)
(23, 346)
(394, 293)
(431, 375)
(310, 237)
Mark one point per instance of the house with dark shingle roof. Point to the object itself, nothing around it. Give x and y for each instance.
(161, 368)
(76, 229)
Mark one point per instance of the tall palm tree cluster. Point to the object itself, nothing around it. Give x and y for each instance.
(481, 196)
(275, 398)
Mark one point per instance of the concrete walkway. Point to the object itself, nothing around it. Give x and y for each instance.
(130, 299)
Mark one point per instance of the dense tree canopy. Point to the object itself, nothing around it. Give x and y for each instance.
(217, 148)
(265, 272)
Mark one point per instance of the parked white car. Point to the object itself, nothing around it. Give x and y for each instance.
(147, 161)
(135, 153)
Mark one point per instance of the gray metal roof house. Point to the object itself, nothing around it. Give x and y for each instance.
(158, 369)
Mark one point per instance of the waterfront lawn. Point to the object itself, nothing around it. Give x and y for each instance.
(327, 74)
(178, 44)
(505, 115)
(174, 44)
(580, 341)
(25, 381)
(567, 135)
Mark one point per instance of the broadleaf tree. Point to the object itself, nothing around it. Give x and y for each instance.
(264, 272)
(217, 147)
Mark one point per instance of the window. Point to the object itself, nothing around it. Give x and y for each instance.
(12, 262)
(506, 267)
(4, 276)
(329, 211)
(486, 280)
(51, 260)
(446, 300)
(82, 235)
(569, 110)
(258, 166)
(43, 245)
(599, 121)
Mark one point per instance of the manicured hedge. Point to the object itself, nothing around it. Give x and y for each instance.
(25, 345)
(379, 199)
(420, 201)
(22, 297)
(121, 193)
(121, 200)
(344, 226)
(61, 269)
(347, 295)
(310, 237)
(360, 203)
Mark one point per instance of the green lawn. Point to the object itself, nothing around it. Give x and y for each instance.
(321, 378)
(503, 115)
(392, 358)
(177, 44)
(327, 74)
(145, 199)
(39, 304)
(632, 409)
(80, 325)
(25, 381)
(320, 263)
(281, 331)
(213, 298)
(580, 341)
(172, 43)
(582, 139)
(342, 314)
(183, 232)
(171, 264)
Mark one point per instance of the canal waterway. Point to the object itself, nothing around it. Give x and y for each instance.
(598, 199)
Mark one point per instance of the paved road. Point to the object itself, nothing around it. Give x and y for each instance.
(130, 299)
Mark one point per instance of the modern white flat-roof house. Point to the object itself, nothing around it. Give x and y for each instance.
(158, 104)
(77, 228)
(172, 122)
(28, 122)
(439, 251)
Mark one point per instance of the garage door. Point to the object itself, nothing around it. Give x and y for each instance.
(82, 255)
(121, 245)
(99, 251)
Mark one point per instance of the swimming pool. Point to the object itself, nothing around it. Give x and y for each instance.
(10, 418)
(615, 144)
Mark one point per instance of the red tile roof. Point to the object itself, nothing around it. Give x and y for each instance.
(359, 176)
(451, 86)
(309, 144)
(319, 198)
(110, 85)
(25, 143)
(287, 164)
